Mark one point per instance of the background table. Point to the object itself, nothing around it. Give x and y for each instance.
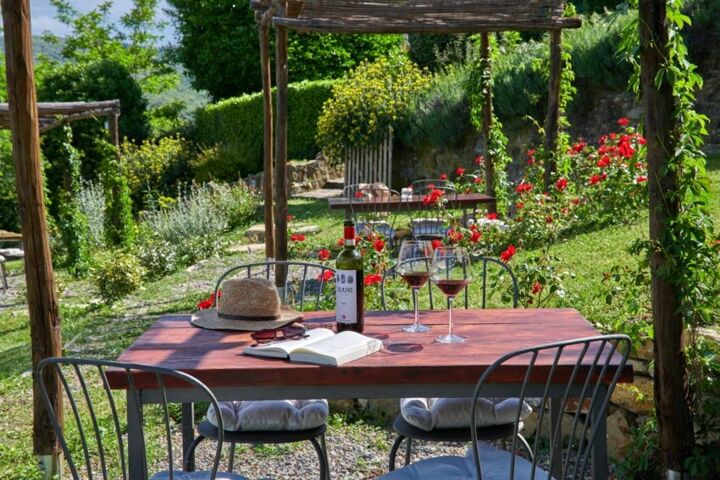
(414, 202)
(411, 364)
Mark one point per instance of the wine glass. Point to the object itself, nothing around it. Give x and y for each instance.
(415, 266)
(451, 273)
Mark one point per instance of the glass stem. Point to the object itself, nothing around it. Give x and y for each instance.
(417, 307)
(450, 319)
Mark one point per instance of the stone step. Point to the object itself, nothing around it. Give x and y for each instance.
(335, 183)
(247, 248)
(319, 193)
(256, 233)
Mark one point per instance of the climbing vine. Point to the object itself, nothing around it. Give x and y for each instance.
(691, 246)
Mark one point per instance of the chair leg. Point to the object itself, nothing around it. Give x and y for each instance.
(321, 457)
(327, 457)
(526, 446)
(408, 451)
(393, 452)
(231, 460)
(187, 464)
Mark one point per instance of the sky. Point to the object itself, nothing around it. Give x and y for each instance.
(43, 15)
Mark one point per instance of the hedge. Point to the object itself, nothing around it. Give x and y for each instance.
(230, 132)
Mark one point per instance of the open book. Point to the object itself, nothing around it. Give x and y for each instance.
(321, 346)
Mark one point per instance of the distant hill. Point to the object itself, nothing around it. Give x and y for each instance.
(192, 98)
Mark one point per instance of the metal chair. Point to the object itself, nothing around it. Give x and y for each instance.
(588, 382)
(91, 422)
(432, 222)
(301, 279)
(369, 215)
(408, 432)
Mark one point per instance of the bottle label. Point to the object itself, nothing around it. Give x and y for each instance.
(346, 291)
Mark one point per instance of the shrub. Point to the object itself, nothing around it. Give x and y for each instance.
(91, 201)
(119, 222)
(157, 257)
(151, 167)
(434, 51)
(373, 98)
(116, 274)
(9, 210)
(231, 131)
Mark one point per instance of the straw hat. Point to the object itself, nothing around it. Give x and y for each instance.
(248, 304)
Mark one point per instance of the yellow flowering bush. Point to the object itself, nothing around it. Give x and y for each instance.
(367, 102)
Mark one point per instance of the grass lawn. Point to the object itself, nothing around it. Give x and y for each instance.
(93, 329)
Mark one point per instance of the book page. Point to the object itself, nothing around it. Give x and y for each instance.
(338, 349)
(282, 348)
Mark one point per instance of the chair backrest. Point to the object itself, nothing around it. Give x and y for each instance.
(480, 270)
(432, 220)
(421, 187)
(300, 280)
(582, 371)
(95, 415)
(368, 211)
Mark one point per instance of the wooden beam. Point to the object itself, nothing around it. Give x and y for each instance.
(552, 127)
(460, 24)
(114, 131)
(486, 77)
(264, 32)
(41, 297)
(281, 187)
(676, 439)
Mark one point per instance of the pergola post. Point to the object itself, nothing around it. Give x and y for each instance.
(281, 187)
(264, 33)
(114, 130)
(671, 383)
(41, 296)
(552, 127)
(486, 78)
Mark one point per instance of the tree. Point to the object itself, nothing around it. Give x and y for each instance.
(133, 43)
(219, 47)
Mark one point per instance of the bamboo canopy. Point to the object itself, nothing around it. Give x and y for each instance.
(51, 115)
(388, 16)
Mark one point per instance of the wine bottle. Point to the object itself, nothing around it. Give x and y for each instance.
(349, 283)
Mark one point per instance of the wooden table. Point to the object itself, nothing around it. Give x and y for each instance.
(429, 370)
(414, 202)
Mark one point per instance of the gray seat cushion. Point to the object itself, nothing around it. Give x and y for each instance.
(271, 415)
(197, 476)
(495, 465)
(430, 413)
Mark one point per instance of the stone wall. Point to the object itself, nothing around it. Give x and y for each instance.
(303, 175)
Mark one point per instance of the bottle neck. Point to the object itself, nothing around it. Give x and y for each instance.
(349, 235)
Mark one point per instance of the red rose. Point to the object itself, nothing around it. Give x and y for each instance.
(548, 219)
(519, 205)
(437, 244)
(358, 194)
(479, 160)
(433, 196)
(378, 245)
(595, 179)
(524, 187)
(575, 201)
(491, 216)
(454, 235)
(477, 180)
(531, 152)
(508, 254)
(561, 184)
(326, 276)
(475, 236)
(623, 122)
(297, 237)
(340, 242)
(537, 288)
(459, 171)
(443, 176)
(289, 218)
(603, 162)
(323, 254)
(641, 140)
(640, 179)
(372, 279)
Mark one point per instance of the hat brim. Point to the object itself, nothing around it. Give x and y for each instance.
(209, 319)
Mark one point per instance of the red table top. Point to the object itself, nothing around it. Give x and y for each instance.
(215, 357)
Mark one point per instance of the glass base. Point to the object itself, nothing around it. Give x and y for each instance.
(415, 328)
(450, 339)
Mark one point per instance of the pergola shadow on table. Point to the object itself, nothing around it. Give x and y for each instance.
(389, 16)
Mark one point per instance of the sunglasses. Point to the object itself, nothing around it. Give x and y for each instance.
(289, 332)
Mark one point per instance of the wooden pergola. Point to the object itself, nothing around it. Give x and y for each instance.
(390, 16)
(54, 114)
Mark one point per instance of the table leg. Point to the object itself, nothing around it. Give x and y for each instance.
(599, 453)
(188, 433)
(136, 450)
(556, 428)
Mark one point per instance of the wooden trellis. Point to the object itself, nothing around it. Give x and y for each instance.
(389, 16)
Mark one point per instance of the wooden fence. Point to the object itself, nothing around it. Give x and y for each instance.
(370, 164)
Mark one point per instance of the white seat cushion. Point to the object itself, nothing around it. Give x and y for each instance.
(429, 413)
(271, 415)
(494, 463)
(197, 476)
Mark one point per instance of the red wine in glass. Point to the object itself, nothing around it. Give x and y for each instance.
(416, 279)
(451, 287)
